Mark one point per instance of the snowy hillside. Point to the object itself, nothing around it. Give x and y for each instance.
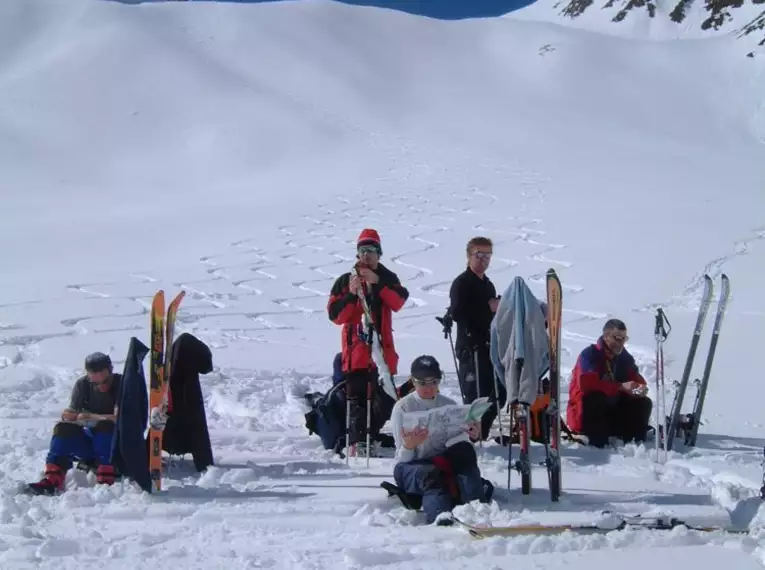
(236, 150)
(659, 20)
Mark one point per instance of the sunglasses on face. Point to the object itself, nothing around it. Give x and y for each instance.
(482, 255)
(426, 381)
(621, 339)
(366, 249)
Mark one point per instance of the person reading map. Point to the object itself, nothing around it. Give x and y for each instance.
(434, 438)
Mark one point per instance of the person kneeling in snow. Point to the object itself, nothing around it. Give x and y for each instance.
(607, 394)
(86, 427)
(443, 476)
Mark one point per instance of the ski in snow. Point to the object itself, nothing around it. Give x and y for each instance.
(675, 418)
(162, 331)
(614, 523)
(698, 405)
(552, 441)
(386, 378)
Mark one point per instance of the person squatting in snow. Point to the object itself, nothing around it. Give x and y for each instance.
(607, 393)
(385, 295)
(473, 303)
(442, 476)
(86, 428)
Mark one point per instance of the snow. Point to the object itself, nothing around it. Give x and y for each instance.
(236, 150)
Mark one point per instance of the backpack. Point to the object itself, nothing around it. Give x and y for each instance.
(539, 426)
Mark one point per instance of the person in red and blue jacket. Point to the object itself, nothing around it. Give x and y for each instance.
(607, 393)
(385, 295)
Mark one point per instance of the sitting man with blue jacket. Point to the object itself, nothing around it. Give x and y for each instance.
(442, 475)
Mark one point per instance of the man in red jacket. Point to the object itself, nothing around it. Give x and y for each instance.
(607, 394)
(384, 294)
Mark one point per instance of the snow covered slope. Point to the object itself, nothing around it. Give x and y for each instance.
(236, 150)
(659, 20)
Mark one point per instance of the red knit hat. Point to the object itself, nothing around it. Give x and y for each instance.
(369, 237)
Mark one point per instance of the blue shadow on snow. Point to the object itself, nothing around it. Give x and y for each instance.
(438, 9)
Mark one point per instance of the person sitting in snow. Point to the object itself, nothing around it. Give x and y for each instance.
(607, 394)
(86, 427)
(443, 476)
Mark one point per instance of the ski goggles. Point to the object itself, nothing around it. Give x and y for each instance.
(368, 249)
(426, 381)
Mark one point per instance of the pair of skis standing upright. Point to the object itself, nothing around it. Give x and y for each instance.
(669, 427)
(162, 332)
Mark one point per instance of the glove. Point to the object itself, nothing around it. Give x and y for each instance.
(158, 418)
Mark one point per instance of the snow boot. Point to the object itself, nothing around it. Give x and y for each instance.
(444, 519)
(411, 502)
(51, 484)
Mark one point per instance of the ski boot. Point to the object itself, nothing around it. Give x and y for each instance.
(51, 484)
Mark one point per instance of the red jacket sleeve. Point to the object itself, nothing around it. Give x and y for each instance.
(394, 297)
(392, 293)
(343, 306)
(590, 377)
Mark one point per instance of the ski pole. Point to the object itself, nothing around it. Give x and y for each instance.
(369, 416)
(499, 410)
(446, 322)
(660, 333)
(347, 424)
(478, 390)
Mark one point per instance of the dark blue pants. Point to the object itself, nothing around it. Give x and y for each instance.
(423, 478)
(71, 441)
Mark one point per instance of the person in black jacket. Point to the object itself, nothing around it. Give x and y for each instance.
(473, 302)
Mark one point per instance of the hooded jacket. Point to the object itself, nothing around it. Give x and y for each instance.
(186, 430)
